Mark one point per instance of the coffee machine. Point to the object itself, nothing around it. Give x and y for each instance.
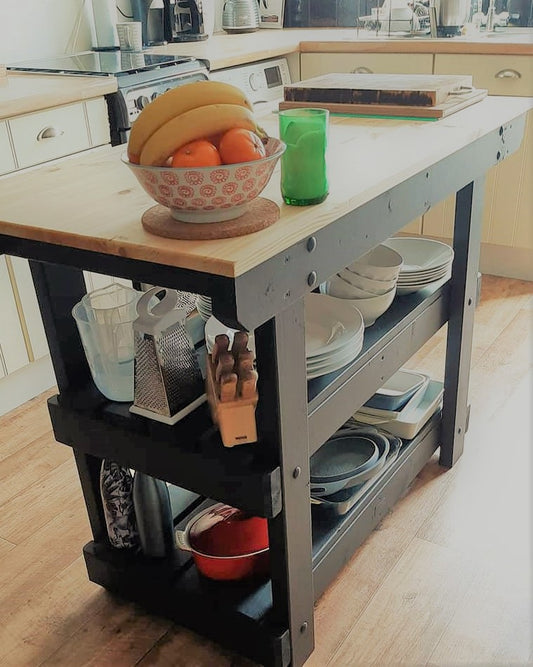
(151, 14)
(184, 20)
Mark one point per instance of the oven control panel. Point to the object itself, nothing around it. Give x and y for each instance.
(261, 81)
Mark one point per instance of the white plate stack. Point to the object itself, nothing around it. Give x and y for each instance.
(425, 262)
(334, 332)
(204, 307)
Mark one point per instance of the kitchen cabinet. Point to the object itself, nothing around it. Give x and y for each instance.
(7, 159)
(12, 343)
(26, 141)
(508, 212)
(259, 283)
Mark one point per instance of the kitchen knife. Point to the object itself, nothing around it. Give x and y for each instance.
(247, 384)
(228, 387)
(240, 343)
(221, 345)
(224, 365)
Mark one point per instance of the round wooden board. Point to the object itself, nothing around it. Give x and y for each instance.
(261, 213)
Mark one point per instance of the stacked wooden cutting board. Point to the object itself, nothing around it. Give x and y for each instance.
(411, 95)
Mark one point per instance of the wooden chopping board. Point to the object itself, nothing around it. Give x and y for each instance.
(452, 104)
(392, 89)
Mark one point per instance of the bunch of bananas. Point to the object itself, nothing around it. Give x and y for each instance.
(185, 113)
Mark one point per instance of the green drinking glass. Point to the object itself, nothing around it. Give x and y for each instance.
(304, 177)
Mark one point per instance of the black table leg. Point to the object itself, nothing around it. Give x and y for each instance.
(466, 244)
(282, 423)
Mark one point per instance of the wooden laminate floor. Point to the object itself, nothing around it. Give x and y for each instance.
(445, 579)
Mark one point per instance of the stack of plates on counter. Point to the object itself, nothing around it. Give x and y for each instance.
(204, 307)
(425, 262)
(334, 332)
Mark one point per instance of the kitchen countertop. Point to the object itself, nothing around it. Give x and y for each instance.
(94, 202)
(22, 93)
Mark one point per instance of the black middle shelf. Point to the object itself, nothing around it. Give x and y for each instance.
(189, 454)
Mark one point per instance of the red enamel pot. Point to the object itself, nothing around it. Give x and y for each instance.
(226, 543)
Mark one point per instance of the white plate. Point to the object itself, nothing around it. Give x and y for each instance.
(329, 356)
(424, 275)
(344, 353)
(420, 254)
(402, 291)
(314, 373)
(329, 323)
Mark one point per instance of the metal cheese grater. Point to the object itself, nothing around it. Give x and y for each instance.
(168, 382)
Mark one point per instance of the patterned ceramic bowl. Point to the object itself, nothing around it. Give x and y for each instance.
(208, 194)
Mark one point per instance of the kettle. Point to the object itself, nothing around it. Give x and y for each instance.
(240, 16)
(450, 16)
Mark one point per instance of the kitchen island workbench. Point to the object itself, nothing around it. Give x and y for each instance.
(85, 214)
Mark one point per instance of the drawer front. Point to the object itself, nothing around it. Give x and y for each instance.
(46, 135)
(314, 64)
(7, 161)
(12, 343)
(500, 75)
(98, 121)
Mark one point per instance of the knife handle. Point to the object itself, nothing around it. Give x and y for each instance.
(224, 365)
(221, 345)
(247, 384)
(245, 362)
(240, 343)
(228, 387)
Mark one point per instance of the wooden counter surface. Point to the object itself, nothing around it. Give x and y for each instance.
(23, 92)
(94, 202)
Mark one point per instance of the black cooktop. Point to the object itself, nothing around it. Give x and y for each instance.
(102, 63)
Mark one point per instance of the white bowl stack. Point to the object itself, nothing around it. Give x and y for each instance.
(204, 307)
(425, 262)
(368, 283)
(334, 332)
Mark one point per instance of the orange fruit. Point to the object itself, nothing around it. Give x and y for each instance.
(240, 145)
(198, 153)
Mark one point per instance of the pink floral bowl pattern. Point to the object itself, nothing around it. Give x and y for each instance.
(208, 194)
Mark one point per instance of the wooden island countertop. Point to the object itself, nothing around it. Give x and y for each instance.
(93, 202)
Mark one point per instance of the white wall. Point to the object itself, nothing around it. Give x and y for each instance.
(38, 28)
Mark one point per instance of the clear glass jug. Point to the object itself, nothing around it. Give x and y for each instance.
(105, 323)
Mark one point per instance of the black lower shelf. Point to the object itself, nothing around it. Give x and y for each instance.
(239, 616)
(238, 476)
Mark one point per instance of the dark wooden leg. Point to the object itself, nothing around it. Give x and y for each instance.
(466, 244)
(282, 422)
(58, 289)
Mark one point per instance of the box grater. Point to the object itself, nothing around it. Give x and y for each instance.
(168, 382)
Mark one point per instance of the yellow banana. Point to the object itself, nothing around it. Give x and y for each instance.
(194, 124)
(177, 101)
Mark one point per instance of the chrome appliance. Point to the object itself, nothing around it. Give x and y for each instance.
(185, 20)
(141, 77)
(150, 14)
(240, 16)
(450, 16)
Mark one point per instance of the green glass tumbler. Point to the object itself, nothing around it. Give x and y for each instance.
(304, 178)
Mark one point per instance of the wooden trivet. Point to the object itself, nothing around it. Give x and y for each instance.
(261, 213)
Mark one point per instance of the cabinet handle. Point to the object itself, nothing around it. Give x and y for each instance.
(49, 133)
(362, 70)
(508, 74)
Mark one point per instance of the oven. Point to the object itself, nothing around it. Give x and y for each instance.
(141, 77)
(262, 81)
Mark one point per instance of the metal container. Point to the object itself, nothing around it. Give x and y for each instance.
(451, 16)
(240, 16)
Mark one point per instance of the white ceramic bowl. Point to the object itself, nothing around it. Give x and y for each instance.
(339, 288)
(374, 287)
(373, 307)
(421, 254)
(208, 194)
(380, 263)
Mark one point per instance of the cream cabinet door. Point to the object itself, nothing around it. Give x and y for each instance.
(46, 135)
(7, 161)
(30, 308)
(98, 121)
(508, 210)
(12, 342)
(314, 64)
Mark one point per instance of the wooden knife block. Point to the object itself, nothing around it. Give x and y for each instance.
(235, 419)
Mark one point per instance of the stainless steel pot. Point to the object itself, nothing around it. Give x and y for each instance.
(451, 15)
(240, 16)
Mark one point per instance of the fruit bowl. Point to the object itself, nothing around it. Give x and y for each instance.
(208, 194)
